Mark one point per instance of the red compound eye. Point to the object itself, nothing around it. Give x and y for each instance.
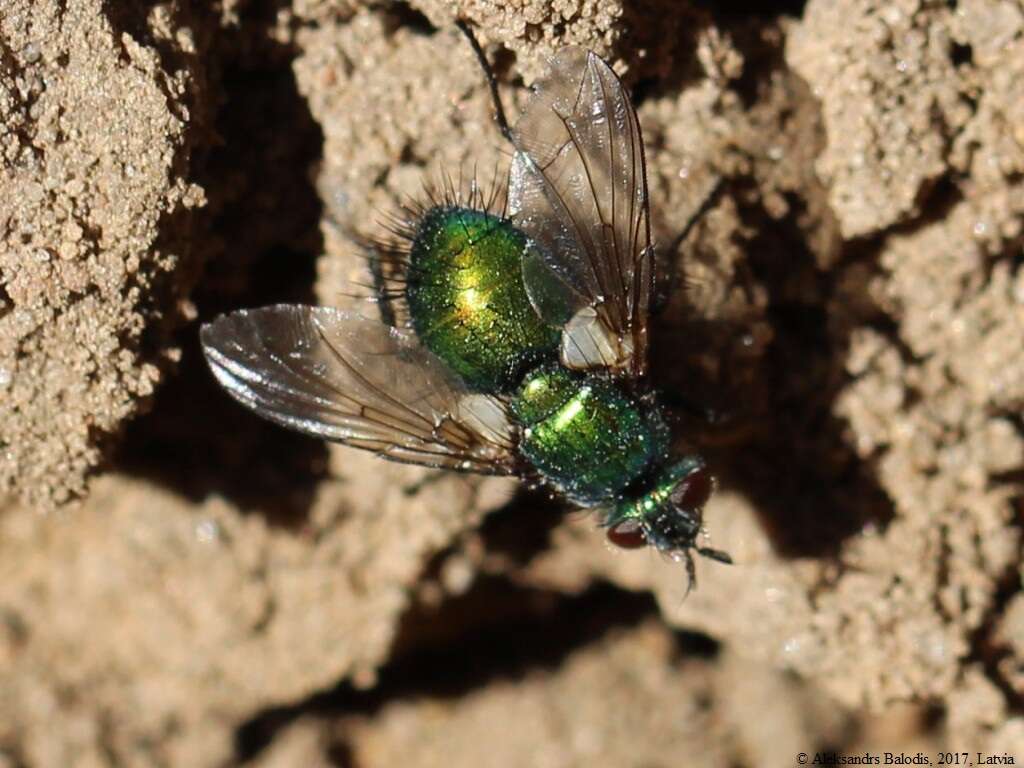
(627, 535)
(694, 490)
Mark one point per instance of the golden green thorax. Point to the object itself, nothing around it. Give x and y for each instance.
(586, 434)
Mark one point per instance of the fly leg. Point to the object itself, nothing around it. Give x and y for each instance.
(492, 81)
(681, 405)
(667, 266)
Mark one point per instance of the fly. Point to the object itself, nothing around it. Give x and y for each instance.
(520, 345)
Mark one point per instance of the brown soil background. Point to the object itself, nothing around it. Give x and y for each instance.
(183, 584)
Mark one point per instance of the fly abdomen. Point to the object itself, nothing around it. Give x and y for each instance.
(585, 434)
(467, 300)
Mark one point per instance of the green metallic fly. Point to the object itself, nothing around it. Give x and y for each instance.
(520, 343)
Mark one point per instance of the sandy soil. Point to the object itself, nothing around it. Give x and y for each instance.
(183, 584)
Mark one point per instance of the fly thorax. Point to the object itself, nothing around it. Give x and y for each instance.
(467, 300)
(544, 392)
(585, 433)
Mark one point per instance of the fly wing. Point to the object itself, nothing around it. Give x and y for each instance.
(349, 378)
(578, 188)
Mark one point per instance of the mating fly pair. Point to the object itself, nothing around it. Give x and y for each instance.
(523, 343)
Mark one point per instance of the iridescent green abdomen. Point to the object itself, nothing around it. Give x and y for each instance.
(467, 299)
(586, 434)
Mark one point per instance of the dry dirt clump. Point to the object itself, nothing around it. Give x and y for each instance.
(225, 593)
(94, 127)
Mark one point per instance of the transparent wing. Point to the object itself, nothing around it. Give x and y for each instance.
(578, 188)
(350, 378)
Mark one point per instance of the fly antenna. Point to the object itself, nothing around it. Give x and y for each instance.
(492, 81)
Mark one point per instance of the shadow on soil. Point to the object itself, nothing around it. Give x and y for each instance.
(262, 244)
(512, 631)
